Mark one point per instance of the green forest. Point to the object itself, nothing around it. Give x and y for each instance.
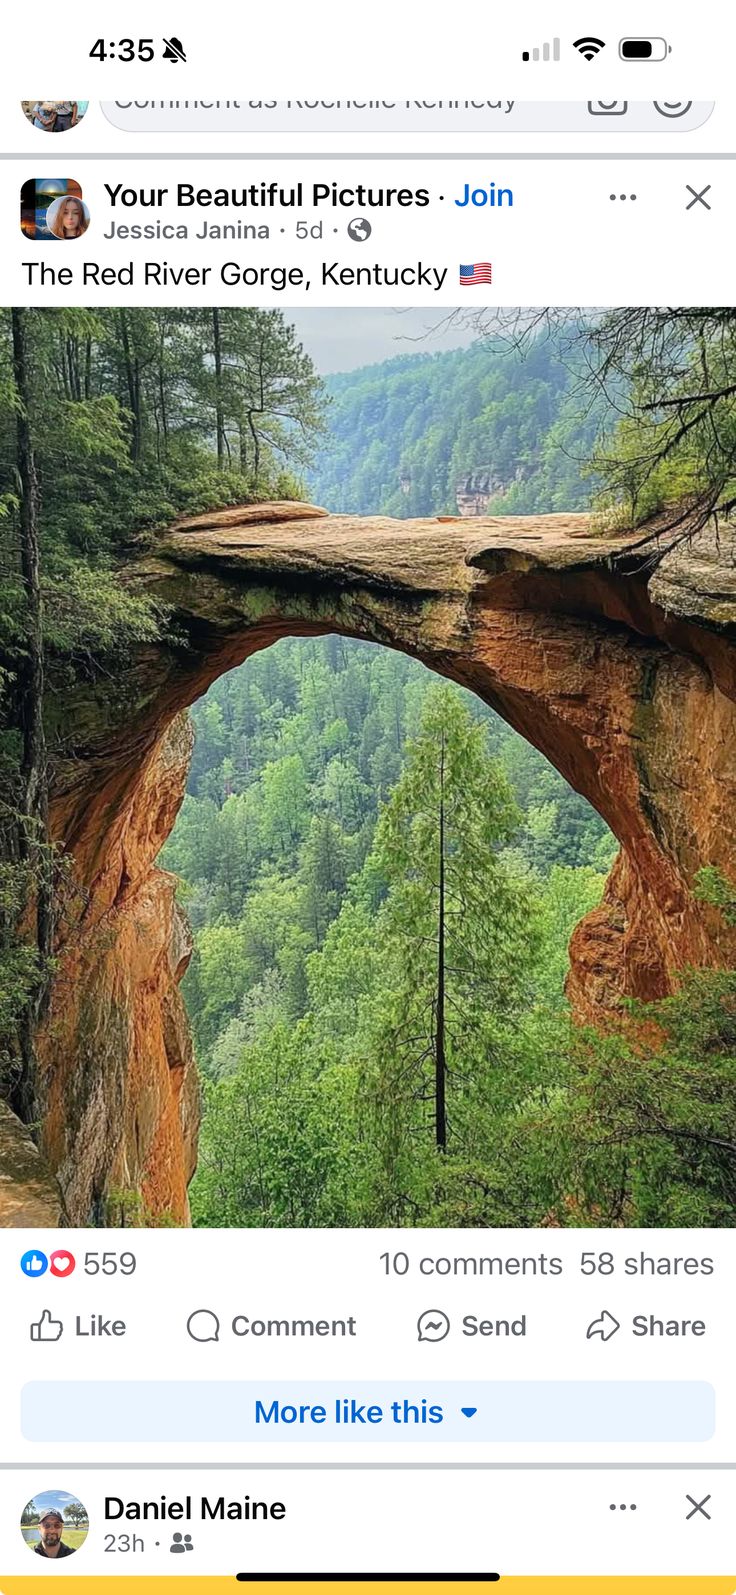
(310, 884)
(404, 433)
(381, 877)
(112, 423)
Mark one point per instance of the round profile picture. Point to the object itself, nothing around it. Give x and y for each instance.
(54, 116)
(67, 217)
(54, 1524)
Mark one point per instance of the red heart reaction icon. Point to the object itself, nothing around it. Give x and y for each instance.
(62, 1264)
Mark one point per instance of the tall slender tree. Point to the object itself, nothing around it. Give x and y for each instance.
(33, 841)
(459, 925)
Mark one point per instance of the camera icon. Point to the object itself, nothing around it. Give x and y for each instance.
(608, 107)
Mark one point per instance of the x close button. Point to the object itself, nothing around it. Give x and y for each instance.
(698, 196)
(698, 1508)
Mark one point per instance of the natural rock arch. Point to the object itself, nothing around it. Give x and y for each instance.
(621, 670)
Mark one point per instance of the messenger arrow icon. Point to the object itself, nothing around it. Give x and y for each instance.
(606, 1326)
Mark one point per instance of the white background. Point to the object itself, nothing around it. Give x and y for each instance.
(340, 1520)
(563, 242)
(323, 1274)
(416, 1521)
(378, 51)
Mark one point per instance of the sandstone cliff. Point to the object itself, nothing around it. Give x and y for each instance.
(620, 668)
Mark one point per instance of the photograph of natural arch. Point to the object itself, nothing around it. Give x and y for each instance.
(367, 778)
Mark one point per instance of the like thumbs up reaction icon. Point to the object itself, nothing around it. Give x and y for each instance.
(47, 1328)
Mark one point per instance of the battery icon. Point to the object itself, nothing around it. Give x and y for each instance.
(644, 49)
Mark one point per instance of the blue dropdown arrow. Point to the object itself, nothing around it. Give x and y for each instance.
(468, 1412)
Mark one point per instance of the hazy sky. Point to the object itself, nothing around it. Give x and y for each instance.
(340, 340)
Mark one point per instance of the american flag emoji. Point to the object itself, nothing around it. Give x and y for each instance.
(470, 276)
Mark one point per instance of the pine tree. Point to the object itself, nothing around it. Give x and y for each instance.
(459, 925)
(325, 871)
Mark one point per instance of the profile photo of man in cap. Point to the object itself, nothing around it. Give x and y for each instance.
(54, 1524)
(51, 1542)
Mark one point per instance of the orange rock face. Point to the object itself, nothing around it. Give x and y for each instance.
(117, 1075)
(621, 671)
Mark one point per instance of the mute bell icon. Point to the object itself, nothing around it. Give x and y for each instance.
(174, 50)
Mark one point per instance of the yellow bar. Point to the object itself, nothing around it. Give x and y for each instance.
(104, 1584)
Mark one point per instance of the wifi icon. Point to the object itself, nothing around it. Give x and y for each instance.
(589, 47)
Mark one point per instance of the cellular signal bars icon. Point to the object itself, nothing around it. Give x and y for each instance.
(543, 52)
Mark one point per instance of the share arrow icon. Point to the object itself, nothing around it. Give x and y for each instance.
(468, 1412)
(606, 1326)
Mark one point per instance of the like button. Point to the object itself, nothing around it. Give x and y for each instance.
(34, 1264)
(47, 1328)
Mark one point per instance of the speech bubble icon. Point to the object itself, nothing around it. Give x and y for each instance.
(203, 1325)
(433, 1326)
